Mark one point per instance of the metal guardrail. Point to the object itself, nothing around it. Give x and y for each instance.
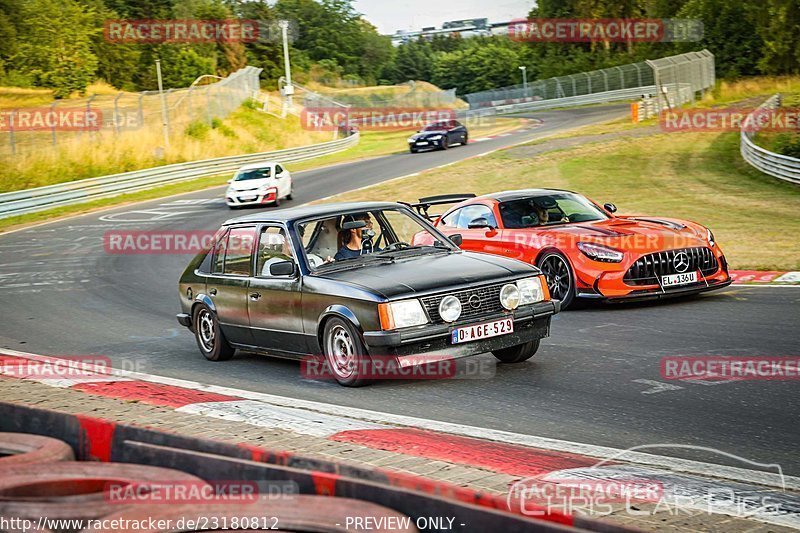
(75, 192)
(777, 165)
(583, 99)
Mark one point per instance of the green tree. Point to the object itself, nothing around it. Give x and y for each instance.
(55, 44)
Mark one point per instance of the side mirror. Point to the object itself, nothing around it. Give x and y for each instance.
(611, 208)
(230, 181)
(282, 268)
(456, 239)
(479, 223)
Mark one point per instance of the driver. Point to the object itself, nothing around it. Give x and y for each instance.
(541, 214)
(351, 241)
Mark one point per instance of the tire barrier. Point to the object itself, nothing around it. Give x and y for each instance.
(292, 513)
(21, 448)
(302, 492)
(77, 490)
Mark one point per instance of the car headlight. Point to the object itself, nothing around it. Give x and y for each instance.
(435, 137)
(710, 237)
(402, 314)
(530, 291)
(411, 140)
(450, 308)
(509, 296)
(598, 252)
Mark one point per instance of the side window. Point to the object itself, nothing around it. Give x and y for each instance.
(238, 251)
(273, 247)
(451, 220)
(471, 212)
(220, 244)
(278, 169)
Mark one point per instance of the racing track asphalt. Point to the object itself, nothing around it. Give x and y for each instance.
(596, 380)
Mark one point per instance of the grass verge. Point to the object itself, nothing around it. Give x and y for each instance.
(372, 144)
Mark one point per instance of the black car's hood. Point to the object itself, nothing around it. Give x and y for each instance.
(423, 134)
(432, 273)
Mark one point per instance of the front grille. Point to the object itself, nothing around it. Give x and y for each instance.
(490, 303)
(648, 269)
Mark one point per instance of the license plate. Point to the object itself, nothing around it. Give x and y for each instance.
(422, 143)
(482, 331)
(679, 279)
(247, 198)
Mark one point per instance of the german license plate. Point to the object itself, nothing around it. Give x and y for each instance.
(422, 143)
(482, 331)
(247, 198)
(679, 279)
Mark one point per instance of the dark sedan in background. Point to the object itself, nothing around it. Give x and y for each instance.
(343, 281)
(439, 135)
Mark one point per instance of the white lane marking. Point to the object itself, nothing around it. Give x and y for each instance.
(260, 414)
(656, 386)
(706, 495)
(600, 452)
(481, 139)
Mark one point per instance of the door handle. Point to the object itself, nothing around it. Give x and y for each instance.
(255, 295)
(212, 292)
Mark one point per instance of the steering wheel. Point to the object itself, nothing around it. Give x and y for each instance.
(399, 245)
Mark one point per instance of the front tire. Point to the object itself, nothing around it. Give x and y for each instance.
(560, 279)
(445, 143)
(345, 353)
(209, 336)
(517, 354)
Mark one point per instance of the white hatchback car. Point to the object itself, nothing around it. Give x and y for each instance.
(259, 183)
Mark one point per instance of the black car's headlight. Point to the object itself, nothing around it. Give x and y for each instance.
(598, 252)
(412, 140)
(450, 308)
(530, 290)
(435, 137)
(402, 314)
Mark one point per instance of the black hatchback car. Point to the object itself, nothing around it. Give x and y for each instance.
(342, 282)
(439, 135)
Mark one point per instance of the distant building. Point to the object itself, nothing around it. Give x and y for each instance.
(464, 28)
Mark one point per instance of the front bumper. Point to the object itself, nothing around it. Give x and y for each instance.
(426, 144)
(244, 198)
(655, 292)
(529, 324)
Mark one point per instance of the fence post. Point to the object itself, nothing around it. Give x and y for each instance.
(116, 113)
(11, 138)
(53, 127)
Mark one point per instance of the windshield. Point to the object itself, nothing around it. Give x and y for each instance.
(549, 210)
(253, 174)
(436, 126)
(354, 239)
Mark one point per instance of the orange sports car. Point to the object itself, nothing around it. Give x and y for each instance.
(583, 248)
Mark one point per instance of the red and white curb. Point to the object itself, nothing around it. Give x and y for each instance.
(764, 276)
(736, 491)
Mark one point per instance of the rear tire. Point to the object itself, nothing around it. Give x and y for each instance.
(209, 336)
(466, 140)
(345, 353)
(289, 196)
(517, 354)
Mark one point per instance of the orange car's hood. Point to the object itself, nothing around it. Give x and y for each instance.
(641, 234)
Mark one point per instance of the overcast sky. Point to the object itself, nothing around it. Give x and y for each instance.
(391, 15)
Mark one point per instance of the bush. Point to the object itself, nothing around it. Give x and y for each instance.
(218, 125)
(197, 129)
(788, 144)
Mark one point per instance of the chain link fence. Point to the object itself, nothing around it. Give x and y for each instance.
(102, 118)
(676, 79)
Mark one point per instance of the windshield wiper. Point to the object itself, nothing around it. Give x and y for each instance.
(417, 248)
